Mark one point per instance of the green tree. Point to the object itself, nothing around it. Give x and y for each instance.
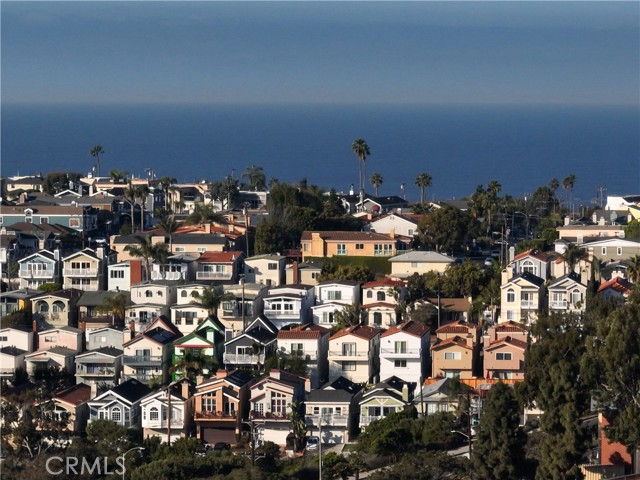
(211, 298)
(117, 176)
(423, 181)
(332, 271)
(447, 229)
(191, 365)
(336, 466)
(499, 447)
(142, 193)
(572, 256)
(554, 184)
(56, 182)
(362, 151)
(257, 178)
(50, 287)
(633, 270)
(169, 225)
(426, 465)
(114, 305)
(376, 180)
(95, 152)
(567, 183)
(633, 229)
(145, 250)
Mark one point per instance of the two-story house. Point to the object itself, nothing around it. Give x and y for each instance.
(150, 300)
(456, 351)
(406, 264)
(332, 297)
(567, 294)
(247, 302)
(39, 268)
(504, 349)
(405, 352)
(180, 266)
(57, 347)
(340, 243)
(15, 343)
(221, 405)
(148, 355)
(86, 269)
(122, 275)
(167, 413)
(186, 315)
(310, 342)
(332, 412)
(532, 261)
(405, 225)
(354, 353)
(104, 337)
(251, 347)
(271, 404)
(219, 267)
(306, 273)
(521, 297)
(389, 396)
(56, 309)
(68, 408)
(101, 365)
(121, 404)
(289, 304)
(206, 341)
(380, 302)
(266, 269)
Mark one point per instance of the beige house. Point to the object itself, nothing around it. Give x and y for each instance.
(69, 407)
(339, 243)
(267, 269)
(305, 272)
(56, 309)
(311, 343)
(354, 353)
(84, 270)
(567, 294)
(521, 298)
(406, 264)
(456, 350)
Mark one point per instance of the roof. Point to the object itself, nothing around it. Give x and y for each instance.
(68, 329)
(384, 282)
(238, 378)
(108, 351)
(303, 332)
(451, 304)
(618, 284)
(507, 341)
(379, 304)
(198, 238)
(340, 390)
(457, 327)
(65, 352)
(219, 257)
(528, 277)
(460, 342)
(361, 331)
(570, 277)
(412, 328)
(89, 299)
(535, 253)
(12, 351)
(66, 294)
(350, 283)
(75, 395)
(347, 236)
(392, 387)
(131, 390)
(510, 326)
(424, 257)
(266, 256)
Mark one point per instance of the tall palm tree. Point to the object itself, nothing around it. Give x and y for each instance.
(193, 364)
(572, 256)
(554, 184)
(165, 182)
(160, 252)
(145, 250)
(633, 271)
(362, 151)
(210, 299)
(423, 181)
(117, 175)
(491, 198)
(376, 181)
(95, 151)
(203, 214)
(567, 184)
(130, 196)
(142, 192)
(114, 305)
(257, 178)
(169, 225)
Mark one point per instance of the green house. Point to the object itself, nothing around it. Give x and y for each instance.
(204, 346)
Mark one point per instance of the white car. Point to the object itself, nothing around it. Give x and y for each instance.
(312, 444)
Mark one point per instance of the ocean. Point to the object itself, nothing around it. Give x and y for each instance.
(459, 146)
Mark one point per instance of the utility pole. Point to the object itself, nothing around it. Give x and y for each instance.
(438, 277)
(320, 449)
(169, 414)
(469, 419)
(253, 443)
(244, 327)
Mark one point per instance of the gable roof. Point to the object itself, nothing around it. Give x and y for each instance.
(451, 304)
(392, 387)
(220, 257)
(131, 390)
(347, 236)
(361, 331)
(106, 351)
(527, 277)
(422, 257)
(454, 341)
(412, 328)
(510, 326)
(569, 278)
(618, 284)
(507, 341)
(74, 395)
(457, 327)
(340, 390)
(534, 253)
(303, 332)
(384, 282)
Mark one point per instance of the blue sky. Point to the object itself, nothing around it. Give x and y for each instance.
(324, 52)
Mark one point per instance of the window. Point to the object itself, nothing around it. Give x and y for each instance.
(511, 315)
(604, 250)
(278, 403)
(503, 356)
(383, 249)
(184, 294)
(178, 249)
(202, 249)
(116, 274)
(259, 408)
(208, 404)
(369, 294)
(410, 232)
(74, 222)
(400, 347)
(529, 267)
(334, 295)
(327, 317)
(452, 355)
(359, 246)
(619, 251)
(44, 219)
(377, 318)
(400, 364)
(4, 339)
(511, 296)
(452, 374)
(314, 275)
(342, 249)
(348, 349)
(273, 266)
(148, 293)
(380, 296)
(305, 247)
(576, 296)
(153, 414)
(116, 414)
(348, 366)
(414, 264)
(297, 348)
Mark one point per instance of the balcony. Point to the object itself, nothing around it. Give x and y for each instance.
(368, 419)
(143, 361)
(7, 372)
(209, 415)
(94, 371)
(327, 420)
(176, 423)
(243, 359)
(304, 355)
(155, 275)
(347, 355)
(80, 272)
(401, 353)
(269, 312)
(144, 377)
(268, 415)
(214, 275)
(528, 304)
(26, 273)
(559, 305)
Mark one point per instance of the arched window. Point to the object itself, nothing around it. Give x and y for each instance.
(369, 294)
(511, 296)
(116, 414)
(58, 307)
(576, 296)
(184, 294)
(42, 307)
(377, 318)
(148, 293)
(380, 296)
(529, 266)
(153, 413)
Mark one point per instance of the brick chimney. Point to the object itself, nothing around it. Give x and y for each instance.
(307, 384)
(185, 389)
(221, 373)
(296, 272)
(392, 233)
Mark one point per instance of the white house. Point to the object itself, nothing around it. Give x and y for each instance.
(404, 352)
(122, 275)
(269, 270)
(155, 412)
(354, 354)
(311, 343)
(289, 304)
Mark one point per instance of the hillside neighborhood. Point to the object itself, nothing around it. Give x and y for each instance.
(285, 322)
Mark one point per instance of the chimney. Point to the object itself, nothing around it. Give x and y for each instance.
(275, 373)
(228, 334)
(36, 341)
(207, 227)
(507, 274)
(566, 220)
(199, 379)
(94, 389)
(392, 233)
(221, 373)
(22, 198)
(405, 392)
(296, 272)
(186, 389)
(307, 384)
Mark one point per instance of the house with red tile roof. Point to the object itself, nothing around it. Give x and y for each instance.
(68, 407)
(380, 299)
(504, 358)
(456, 350)
(617, 288)
(311, 343)
(219, 266)
(354, 353)
(532, 261)
(405, 351)
(345, 243)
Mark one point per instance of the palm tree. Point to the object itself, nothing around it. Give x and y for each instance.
(203, 214)
(165, 182)
(210, 299)
(95, 151)
(169, 225)
(572, 256)
(361, 150)
(118, 175)
(633, 271)
(376, 181)
(554, 184)
(568, 183)
(130, 196)
(192, 364)
(141, 193)
(114, 305)
(145, 250)
(256, 176)
(160, 252)
(491, 199)
(423, 180)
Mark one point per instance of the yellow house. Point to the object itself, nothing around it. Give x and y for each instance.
(340, 243)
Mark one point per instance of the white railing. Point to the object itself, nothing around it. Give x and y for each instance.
(25, 273)
(243, 359)
(327, 419)
(80, 272)
(528, 304)
(155, 275)
(562, 304)
(367, 419)
(392, 352)
(281, 313)
(213, 275)
(175, 423)
(347, 354)
(7, 371)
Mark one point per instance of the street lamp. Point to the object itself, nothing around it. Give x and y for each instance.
(169, 411)
(124, 470)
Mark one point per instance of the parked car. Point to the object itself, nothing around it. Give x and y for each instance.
(312, 443)
(222, 447)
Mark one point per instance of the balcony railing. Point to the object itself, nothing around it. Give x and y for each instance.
(528, 304)
(80, 272)
(155, 275)
(7, 372)
(175, 423)
(95, 372)
(309, 356)
(281, 313)
(408, 352)
(147, 360)
(367, 419)
(268, 415)
(347, 354)
(209, 415)
(242, 359)
(26, 273)
(213, 275)
(144, 377)
(562, 304)
(327, 419)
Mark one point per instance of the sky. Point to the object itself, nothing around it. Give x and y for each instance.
(321, 52)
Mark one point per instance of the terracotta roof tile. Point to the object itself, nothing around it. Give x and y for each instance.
(507, 340)
(219, 257)
(456, 327)
(75, 395)
(618, 284)
(412, 328)
(537, 254)
(461, 342)
(303, 332)
(362, 331)
(385, 282)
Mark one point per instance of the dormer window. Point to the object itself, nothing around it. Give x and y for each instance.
(148, 293)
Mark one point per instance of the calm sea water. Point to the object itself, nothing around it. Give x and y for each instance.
(460, 147)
